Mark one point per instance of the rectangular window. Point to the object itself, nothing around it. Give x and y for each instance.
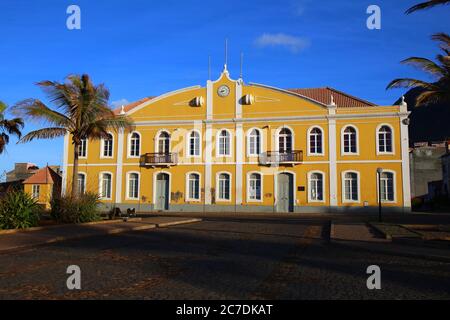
(224, 187)
(254, 189)
(35, 191)
(194, 187)
(387, 186)
(82, 148)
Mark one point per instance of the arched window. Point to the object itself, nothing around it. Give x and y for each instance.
(254, 143)
(349, 139)
(385, 139)
(193, 186)
(351, 187)
(285, 141)
(164, 143)
(82, 148)
(224, 144)
(81, 183)
(133, 185)
(105, 185)
(135, 145)
(315, 141)
(107, 146)
(224, 187)
(316, 186)
(387, 187)
(254, 187)
(194, 144)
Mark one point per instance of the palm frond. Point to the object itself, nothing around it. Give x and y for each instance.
(410, 83)
(426, 65)
(426, 5)
(36, 110)
(46, 133)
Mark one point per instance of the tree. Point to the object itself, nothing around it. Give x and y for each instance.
(81, 110)
(426, 5)
(437, 91)
(8, 127)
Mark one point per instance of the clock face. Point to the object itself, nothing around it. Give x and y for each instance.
(223, 91)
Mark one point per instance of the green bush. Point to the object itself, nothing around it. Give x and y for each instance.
(18, 210)
(84, 208)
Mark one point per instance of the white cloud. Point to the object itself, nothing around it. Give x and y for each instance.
(119, 103)
(294, 44)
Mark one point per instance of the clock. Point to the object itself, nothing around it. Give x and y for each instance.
(223, 91)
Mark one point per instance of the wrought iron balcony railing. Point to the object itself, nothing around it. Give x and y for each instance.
(276, 157)
(159, 159)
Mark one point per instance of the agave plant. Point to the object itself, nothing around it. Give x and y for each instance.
(8, 127)
(437, 91)
(81, 110)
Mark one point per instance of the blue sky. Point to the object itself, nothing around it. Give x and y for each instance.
(143, 48)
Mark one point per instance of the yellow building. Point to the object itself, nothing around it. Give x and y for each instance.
(43, 186)
(232, 146)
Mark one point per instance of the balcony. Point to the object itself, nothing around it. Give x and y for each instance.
(276, 158)
(158, 159)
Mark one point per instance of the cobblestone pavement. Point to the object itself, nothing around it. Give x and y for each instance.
(248, 259)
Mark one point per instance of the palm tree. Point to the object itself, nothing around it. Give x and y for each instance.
(426, 5)
(81, 110)
(8, 127)
(433, 92)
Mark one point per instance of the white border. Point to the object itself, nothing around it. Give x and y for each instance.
(308, 139)
(343, 153)
(261, 142)
(129, 156)
(358, 181)
(188, 144)
(294, 183)
(100, 190)
(377, 142)
(156, 139)
(323, 186)
(187, 197)
(102, 147)
(394, 177)
(230, 134)
(127, 181)
(155, 174)
(85, 180)
(217, 186)
(277, 137)
(247, 189)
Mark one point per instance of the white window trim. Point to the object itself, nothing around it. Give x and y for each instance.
(156, 140)
(85, 176)
(33, 195)
(358, 181)
(155, 174)
(394, 177)
(100, 184)
(127, 195)
(217, 186)
(129, 156)
(86, 156)
(343, 153)
(294, 186)
(188, 144)
(218, 155)
(277, 137)
(248, 186)
(323, 186)
(261, 142)
(315, 154)
(102, 147)
(378, 142)
(187, 197)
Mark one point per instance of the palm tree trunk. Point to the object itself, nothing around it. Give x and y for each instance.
(75, 171)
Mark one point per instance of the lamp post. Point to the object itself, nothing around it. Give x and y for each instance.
(379, 171)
